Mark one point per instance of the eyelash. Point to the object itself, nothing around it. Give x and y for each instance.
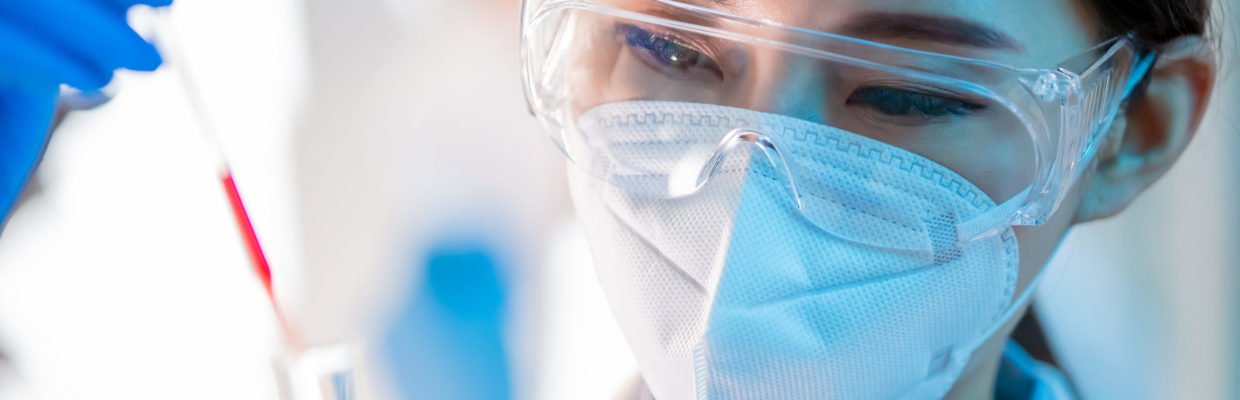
(678, 59)
(670, 55)
(897, 102)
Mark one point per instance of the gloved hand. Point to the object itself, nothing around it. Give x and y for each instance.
(45, 43)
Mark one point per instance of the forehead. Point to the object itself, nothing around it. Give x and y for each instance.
(1043, 32)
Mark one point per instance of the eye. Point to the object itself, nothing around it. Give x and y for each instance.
(668, 54)
(907, 103)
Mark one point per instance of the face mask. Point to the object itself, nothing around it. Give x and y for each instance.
(865, 291)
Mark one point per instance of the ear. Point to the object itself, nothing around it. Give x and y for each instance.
(1154, 128)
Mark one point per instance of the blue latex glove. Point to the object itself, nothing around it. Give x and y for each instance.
(45, 43)
(448, 340)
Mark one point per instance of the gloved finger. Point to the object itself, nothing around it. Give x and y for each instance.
(121, 7)
(27, 59)
(25, 114)
(85, 28)
(152, 3)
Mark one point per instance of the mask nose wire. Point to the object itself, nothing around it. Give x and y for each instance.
(742, 136)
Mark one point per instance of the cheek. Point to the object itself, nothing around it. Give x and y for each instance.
(1038, 243)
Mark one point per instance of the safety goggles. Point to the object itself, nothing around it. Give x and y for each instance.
(1021, 135)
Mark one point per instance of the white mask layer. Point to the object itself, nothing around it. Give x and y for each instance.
(731, 292)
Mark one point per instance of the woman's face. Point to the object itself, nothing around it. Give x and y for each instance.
(1032, 34)
(626, 64)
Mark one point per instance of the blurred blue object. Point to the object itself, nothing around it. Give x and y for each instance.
(46, 43)
(447, 342)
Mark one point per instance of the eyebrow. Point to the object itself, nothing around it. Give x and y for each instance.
(949, 30)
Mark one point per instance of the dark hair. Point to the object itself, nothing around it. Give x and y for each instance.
(1153, 22)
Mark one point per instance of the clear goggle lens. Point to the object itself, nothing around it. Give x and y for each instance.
(1000, 129)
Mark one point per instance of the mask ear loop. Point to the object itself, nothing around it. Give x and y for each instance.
(962, 354)
(1019, 303)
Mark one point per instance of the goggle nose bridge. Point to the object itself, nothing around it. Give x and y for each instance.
(739, 137)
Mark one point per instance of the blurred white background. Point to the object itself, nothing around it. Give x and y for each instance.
(363, 132)
(1143, 305)
(122, 276)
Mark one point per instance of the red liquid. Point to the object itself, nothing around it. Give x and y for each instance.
(256, 254)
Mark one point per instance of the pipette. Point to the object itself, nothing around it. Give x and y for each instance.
(314, 372)
(165, 40)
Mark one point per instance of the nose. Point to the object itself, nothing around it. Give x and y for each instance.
(786, 84)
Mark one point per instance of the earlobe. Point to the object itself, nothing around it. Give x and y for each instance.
(1152, 132)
